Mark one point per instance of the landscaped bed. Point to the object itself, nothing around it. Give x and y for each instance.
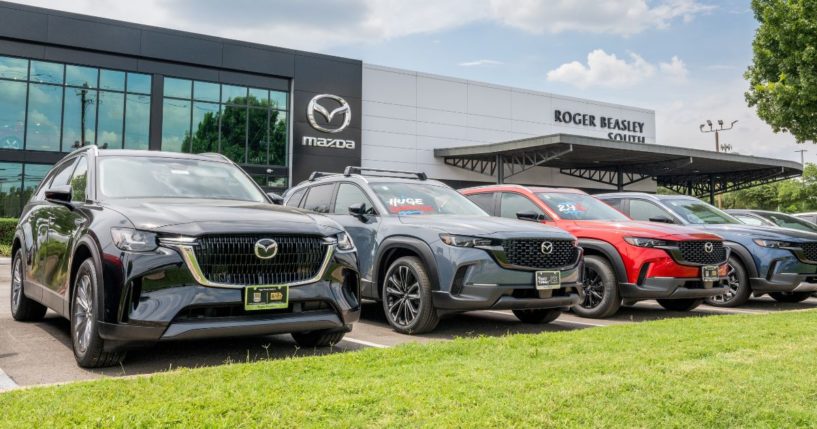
(688, 372)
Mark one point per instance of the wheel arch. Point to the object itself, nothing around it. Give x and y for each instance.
(608, 251)
(85, 248)
(393, 248)
(744, 256)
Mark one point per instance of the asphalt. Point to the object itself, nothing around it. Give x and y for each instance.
(40, 353)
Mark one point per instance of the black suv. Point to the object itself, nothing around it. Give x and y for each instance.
(425, 250)
(137, 247)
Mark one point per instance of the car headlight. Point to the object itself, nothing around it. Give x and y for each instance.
(465, 240)
(344, 242)
(134, 240)
(776, 244)
(646, 242)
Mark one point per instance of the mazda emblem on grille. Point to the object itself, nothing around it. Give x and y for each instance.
(266, 248)
(708, 247)
(547, 247)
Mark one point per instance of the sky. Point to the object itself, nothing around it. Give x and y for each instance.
(684, 59)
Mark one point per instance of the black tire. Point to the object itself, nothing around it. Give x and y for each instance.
(790, 297)
(680, 304)
(407, 297)
(318, 338)
(546, 315)
(739, 289)
(601, 295)
(89, 347)
(23, 308)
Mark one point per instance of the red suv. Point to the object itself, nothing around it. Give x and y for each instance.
(624, 259)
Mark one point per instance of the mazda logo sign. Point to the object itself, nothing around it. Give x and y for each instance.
(266, 248)
(315, 106)
(709, 247)
(547, 247)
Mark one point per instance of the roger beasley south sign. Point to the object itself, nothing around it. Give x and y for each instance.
(619, 129)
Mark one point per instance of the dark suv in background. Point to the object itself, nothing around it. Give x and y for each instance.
(137, 247)
(777, 261)
(426, 251)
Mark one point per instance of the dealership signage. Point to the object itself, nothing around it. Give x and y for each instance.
(322, 119)
(617, 129)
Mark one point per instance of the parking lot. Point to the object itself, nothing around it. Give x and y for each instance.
(40, 353)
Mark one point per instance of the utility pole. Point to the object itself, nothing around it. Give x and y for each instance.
(718, 148)
(802, 156)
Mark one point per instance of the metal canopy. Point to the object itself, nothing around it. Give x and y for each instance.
(692, 171)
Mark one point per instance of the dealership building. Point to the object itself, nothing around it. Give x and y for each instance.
(69, 80)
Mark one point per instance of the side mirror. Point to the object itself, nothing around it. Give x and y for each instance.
(59, 195)
(530, 216)
(661, 219)
(275, 198)
(358, 210)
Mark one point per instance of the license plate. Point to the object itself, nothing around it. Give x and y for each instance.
(709, 273)
(548, 280)
(266, 297)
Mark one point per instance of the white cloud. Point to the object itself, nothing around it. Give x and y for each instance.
(675, 70)
(603, 69)
(477, 63)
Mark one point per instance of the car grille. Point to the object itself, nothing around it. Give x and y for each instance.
(693, 251)
(810, 251)
(231, 259)
(528, 253)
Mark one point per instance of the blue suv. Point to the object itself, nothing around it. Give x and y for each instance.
(780, 262)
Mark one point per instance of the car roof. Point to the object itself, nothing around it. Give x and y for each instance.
(534, 189)
(360, 178)
(162, 154)
(656, 197)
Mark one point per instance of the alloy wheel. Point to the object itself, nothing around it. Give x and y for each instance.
(733, 283)
(17, 284)
(83, 313)
(403, 295)
(593, 289)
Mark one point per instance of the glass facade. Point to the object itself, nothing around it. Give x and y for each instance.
(17, 182)
(55, 107)
(248, 125)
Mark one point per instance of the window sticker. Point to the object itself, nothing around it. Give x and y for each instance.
(408, 206)
(571, 208)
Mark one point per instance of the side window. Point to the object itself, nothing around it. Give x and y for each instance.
(79, 181)
(349, 194)
(512, 203)
(295, 199)
(319, 198)
(645, 210)
(749, 220)
(484, 201)
(614, 203)
(63, 173)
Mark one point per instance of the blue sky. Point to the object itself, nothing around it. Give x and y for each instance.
(682, 58)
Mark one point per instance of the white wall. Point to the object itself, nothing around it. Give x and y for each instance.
(406, 115)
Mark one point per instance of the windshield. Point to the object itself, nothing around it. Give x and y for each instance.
(580, 207)
(787, 221)
(160, 177)
(424, 199)
(697, 212)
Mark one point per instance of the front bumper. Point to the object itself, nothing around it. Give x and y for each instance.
(152, 297)
(672, 288)
(786, 274)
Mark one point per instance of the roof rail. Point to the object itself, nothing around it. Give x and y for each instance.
(348, 171)
(319, 174)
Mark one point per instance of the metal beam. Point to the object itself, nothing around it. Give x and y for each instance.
(505, 165)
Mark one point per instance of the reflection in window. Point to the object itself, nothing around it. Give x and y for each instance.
(79, 118)
(233, 94)
(79, 181)
(178, 88)
(278, 138)
(206, 91)
(233, 132)
(112, 79)
(45, 72)
(175, 124)
(257, 136)
(35, 173)
(81, 76)
(204, 137)
(279, 100)
(13, 68)
(111, 112)
(44, 117)
(10, 189)
(139, 83)
(12, 113)
(137, 121)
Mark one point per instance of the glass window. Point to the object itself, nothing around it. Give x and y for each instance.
(139, 83)
(647, 211)
(12, 114)
(44, 117)
(349, 194)
(423, 199)
(257, 136)
(614, 203)
(35, 173)
(233, 94)
(259, 97)
(484, 201)
(278, 138)
(206, 91)
(295, 199)
(204, 137)
(79, 118)
(787, 221)
(79, 180)
(749, 220)
(81, 76)
(160, 177)
(13, 68)
(112, 79)
(278, 100)
(268, 181)
(175, 124)
(511, 203)
(697, 212)
(233, 133)
(137, 121)
(570, 206)
(63, 173)
(319, 198)
(110, 119)
(10, 181)
(179, 88)
(46, 72)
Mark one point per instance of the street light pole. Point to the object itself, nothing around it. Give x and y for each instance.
(718, 148)
(802, 156)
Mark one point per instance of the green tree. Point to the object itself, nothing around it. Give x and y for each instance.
(783, 76)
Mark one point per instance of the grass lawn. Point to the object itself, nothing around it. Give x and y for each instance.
(726, 371)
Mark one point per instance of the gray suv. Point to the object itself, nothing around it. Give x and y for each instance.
(426, 251)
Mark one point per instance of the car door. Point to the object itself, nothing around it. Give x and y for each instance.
(363, 229)
(511, 203)
(648, 211)
(36, 223)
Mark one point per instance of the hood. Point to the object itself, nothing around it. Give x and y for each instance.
(736, 231)
(486, 226)
(195, 217)
(638, 229)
